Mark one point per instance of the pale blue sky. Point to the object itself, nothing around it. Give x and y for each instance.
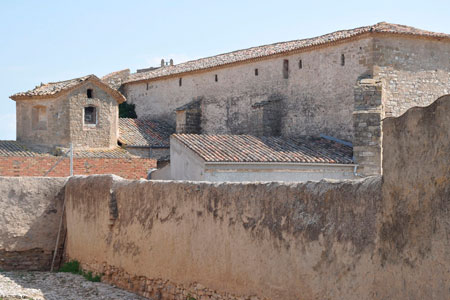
(45, 41)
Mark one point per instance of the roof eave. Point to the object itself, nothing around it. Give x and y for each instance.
(94, 79)
(293, 51)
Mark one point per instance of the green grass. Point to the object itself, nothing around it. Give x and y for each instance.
(75, 268)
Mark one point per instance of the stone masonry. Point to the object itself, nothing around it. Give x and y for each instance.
(367, 126)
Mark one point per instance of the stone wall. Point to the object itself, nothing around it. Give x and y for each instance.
(106, 132)
(130, 168)
(57, 129)
(414, 71)
(65, 120)
(30, 213)
(316, 98)
(367, 126)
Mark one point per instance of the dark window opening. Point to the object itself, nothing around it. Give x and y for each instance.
(147, 86)
(342, 59)
(180, 82)
(89, 93)
(90, 115)
(300, 64)
(216, 78)
(286, 69)
(256, 72)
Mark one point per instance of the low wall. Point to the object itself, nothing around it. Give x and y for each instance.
(130, 168)
(30, 212)
(414, 226)
(278, 241)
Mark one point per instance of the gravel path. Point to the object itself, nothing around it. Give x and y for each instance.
(56, 286)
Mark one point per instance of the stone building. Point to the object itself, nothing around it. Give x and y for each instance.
(82, 112)
(340, 84)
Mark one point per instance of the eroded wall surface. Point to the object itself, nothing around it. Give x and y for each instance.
(278, 241)
(30, 213)
(414, 228)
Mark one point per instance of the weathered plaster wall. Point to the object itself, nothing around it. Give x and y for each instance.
(318, 98)
(30, 212)
(276, 172)
(414, 72)
(185, 164)
(278, 241)
(414, 227)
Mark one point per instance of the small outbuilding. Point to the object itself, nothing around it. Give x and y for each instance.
(238, 158)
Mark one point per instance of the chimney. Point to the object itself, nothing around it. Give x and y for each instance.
(171, 62)
(162, 62)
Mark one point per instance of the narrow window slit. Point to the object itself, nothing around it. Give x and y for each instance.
(286, 69)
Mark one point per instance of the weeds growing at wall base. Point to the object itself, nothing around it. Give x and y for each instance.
(74, 268)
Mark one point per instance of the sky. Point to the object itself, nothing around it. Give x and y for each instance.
(45, 41)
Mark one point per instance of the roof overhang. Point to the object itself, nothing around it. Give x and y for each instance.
(92, 79)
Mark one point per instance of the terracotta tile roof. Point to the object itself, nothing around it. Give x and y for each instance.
(116, 152)
(16, 149)
(144, 133)
(13, 148)
(52, 89)
(115, 79)
(279, 48)
(246, 148)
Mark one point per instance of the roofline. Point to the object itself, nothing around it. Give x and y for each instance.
(94, 79)
(208, 163)
(357, 36)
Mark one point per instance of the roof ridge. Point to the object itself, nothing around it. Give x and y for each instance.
(278, 48)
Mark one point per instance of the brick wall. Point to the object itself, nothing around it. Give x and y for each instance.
(129, 168)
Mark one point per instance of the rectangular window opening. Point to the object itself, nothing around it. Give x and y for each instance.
(342, 59)
(286, 69)
(89, 93)
(216, 78)
(256, 72)
(180, 82)
(90, 115)
(300, 64)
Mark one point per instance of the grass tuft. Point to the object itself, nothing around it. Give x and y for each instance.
(75, 268)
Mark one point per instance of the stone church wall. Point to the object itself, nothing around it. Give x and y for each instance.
(316, 98)
(413, 71)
